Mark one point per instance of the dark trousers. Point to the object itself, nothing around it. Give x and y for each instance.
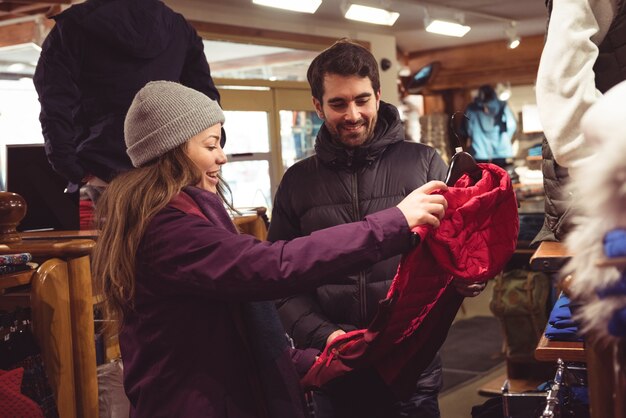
(361, 394)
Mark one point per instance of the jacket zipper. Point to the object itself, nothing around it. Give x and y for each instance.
(361, 276)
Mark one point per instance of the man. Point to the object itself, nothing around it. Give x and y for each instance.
(97, 56)
(362, 164)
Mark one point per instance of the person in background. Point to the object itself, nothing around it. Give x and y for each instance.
(187, 289)
(490, 126)
(581, 59)
(362, 165)
(96, 57)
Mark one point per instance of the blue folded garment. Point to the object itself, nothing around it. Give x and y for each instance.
(561, 310)
(562, 334)
(615, 243)
(564, 323)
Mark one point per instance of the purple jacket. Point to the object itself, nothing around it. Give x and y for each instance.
(197, 344)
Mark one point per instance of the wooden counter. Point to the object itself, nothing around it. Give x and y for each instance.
(62, 315)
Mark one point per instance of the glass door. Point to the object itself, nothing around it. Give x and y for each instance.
(269, 126)
(248, 131)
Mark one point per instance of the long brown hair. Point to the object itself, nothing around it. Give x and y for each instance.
(123, 212)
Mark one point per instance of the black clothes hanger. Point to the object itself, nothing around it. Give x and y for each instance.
(461, 162)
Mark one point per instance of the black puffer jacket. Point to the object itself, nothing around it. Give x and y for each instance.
(97, 56)
(609, 69)
(337, 186)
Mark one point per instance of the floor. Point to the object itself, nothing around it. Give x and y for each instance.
(458, 402)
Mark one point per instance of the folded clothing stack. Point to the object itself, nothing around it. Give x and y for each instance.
(561, 326)
(11, 263)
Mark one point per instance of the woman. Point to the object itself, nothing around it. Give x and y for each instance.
(183, 282)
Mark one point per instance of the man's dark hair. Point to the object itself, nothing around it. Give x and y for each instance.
(344, 58)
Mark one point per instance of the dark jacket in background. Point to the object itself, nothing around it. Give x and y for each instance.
(185, 352)
(97, 56)
(610, 69)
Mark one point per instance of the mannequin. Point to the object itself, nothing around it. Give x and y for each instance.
(491, 125)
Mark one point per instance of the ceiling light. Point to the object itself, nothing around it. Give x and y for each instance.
(371, 15)
(304, 6)
(513, 40)
(503, 90)
(448, 28)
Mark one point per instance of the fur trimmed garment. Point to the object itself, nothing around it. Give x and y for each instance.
(477, 236)
(599, 193)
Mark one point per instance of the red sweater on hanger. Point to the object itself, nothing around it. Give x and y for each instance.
(477, 237)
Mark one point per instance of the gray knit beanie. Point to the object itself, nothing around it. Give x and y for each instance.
(164, 115)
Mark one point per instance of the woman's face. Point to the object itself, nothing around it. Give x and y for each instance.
(205, 151)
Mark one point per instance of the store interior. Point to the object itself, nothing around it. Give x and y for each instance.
(258, 57)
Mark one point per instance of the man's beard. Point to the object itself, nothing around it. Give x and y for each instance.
(355, 139)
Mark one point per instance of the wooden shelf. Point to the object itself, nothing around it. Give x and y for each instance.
(549, 257)
(19, 278)
(494, 387)
(549, 350)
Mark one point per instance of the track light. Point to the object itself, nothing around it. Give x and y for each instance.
(513, 40)
(503, 90)
(370, 14)
(303, 6)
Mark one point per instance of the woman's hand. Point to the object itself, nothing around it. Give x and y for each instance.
(421, 207)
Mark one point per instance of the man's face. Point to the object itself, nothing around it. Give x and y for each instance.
(349, 108)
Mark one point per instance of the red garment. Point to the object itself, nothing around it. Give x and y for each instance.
(85, 212)
(13, 403)
(477, 236)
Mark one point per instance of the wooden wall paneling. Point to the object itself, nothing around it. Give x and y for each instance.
(19, 33)
(434, 103)
(485, 63)
(24, 32)
(15, 9)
